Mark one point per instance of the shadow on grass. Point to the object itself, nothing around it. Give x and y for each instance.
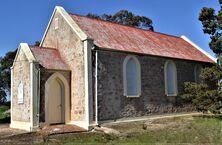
(5, 120)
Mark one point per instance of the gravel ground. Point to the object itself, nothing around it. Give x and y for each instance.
(5, 131)
(9, 136)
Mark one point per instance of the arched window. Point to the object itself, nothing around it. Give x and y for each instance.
(170, 74)
(132, 78)
(197, 72)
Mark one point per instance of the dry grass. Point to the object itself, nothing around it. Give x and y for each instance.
(187, 130)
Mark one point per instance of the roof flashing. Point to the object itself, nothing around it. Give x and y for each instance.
(199, 48)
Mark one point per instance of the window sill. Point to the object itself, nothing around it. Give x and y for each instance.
(137, 96)
(173, 95)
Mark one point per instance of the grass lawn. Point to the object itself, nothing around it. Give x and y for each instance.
(180, 130)
(3, 108)
(190, 130)
(3, 117)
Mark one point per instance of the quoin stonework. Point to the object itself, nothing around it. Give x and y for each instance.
(87, 71)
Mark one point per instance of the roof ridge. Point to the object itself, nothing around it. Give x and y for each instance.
(78, 15)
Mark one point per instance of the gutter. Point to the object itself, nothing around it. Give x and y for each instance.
(96, 87)
(38, 95)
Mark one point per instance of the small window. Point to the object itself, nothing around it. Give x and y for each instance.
(170, 74)
(56, 23)
(132, 78)
(197, 72)
(20, 93)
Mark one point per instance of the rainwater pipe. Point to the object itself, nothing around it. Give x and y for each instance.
(38, 95)
(96, 85)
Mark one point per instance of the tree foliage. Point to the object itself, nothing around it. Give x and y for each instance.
(37, 43)
(203, 98)
(5, 74)
(126, 18)
(208, 95)
(212, 25)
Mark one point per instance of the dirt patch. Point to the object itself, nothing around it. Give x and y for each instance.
(150, 124)
(15, 136)
(5, 131)
(61, 129)
(24, 138)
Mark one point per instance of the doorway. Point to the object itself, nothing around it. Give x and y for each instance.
(57, 100)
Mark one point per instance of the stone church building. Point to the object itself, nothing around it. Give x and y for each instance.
(87, 71)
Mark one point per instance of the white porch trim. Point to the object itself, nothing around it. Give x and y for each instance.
(88, 44)
(31, 94)
(34, 117)
(12, 73)
(30, 126)
(28, 53)
(82, 124)
(21, 125)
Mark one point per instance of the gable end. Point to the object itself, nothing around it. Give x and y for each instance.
(25, 48)
(69, 21)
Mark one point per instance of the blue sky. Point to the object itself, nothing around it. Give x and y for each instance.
(26, 20)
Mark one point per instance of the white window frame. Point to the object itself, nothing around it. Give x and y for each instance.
(175, 78)
(125, 78)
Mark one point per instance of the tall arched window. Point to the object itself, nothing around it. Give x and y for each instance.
(132, 78)
(197, 72)
(170, 74)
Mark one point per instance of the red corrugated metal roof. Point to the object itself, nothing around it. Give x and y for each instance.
(125, 38)
(49, 58)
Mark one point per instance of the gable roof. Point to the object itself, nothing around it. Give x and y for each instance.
(49, 58)
(119, 37)
(68, 20)
(25, 48)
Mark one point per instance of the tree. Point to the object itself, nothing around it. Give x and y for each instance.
(37, 43)
(220, 1)
(126, 18)
(5, 74)
(212, 25)
(208, 95)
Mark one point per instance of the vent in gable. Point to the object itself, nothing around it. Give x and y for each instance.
(56, 23)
